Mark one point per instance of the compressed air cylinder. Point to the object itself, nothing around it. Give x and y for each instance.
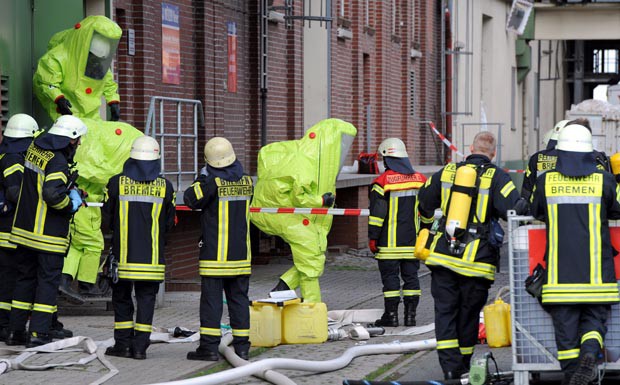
(614, 160)
(460, 202)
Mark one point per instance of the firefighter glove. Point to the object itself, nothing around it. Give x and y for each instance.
(64, 106)
(372, 245)
(76, 200)
(115, 111)
(522, 207)
(328, 199)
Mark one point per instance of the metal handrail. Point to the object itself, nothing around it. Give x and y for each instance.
(155, 127)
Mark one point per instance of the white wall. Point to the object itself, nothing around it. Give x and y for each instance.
(316, 85)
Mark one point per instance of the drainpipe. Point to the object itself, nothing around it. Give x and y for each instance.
(448, 75)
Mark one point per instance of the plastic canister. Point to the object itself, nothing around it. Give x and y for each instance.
(304, 323)
(265, 324)
(497, 324)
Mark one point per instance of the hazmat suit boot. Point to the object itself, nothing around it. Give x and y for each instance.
(89, 290)
(17, 337)
(587, 370)
(390, 316)
(67, 291)
(38, 339)
(281, 286)
(411, 305)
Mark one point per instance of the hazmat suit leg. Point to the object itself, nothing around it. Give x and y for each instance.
(309, 260)
(84, 255)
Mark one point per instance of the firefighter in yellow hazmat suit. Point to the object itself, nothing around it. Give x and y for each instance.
(70, 79)
(302, 173)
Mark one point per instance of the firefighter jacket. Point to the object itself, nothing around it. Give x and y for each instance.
(225, 243)
(579, 254)
(11, 173)
(393, 218)
(496, 194)
(44, 209)
(544, 161)
(140, 214)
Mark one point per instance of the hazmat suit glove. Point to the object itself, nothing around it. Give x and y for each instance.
(76, 200)
(328, 199)
(372, 245)
(522, 207)
(64, 106)
(115, 111)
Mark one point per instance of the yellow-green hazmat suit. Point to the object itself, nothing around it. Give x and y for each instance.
(297, 173)
(62, 69)
(77, 67)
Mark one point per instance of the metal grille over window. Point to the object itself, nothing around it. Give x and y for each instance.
(4, 99)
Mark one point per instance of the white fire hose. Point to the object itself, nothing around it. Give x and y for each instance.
(262, 366)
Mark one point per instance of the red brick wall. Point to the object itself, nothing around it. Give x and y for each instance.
(372, 68)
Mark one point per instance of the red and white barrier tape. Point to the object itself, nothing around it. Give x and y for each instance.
(453, 147)
(297, 210)
(445, 140)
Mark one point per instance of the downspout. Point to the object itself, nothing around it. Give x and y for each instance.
(262, 57)
(448, 75)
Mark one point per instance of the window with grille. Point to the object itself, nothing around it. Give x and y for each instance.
(605, 61)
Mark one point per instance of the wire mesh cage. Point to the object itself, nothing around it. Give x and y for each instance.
(533, 337)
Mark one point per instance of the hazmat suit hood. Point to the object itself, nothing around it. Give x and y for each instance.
(71, 67)
(297, 173)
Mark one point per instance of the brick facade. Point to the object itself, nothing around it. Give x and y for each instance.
(373, 68)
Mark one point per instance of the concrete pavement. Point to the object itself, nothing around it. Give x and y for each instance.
(349, 282)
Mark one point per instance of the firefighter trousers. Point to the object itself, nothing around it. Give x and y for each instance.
(211, 307)
(578, 329)
(127, 333)
(392, 270)
(36, 289)
(458, 302)
(8, 272)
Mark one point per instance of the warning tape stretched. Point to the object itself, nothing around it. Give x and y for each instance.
(453, 147)
(284, 210)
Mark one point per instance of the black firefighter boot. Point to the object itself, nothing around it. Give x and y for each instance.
(390, 316)
(411, 304)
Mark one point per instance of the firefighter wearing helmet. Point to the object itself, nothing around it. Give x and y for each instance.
(392, 229)
(575, 200)
(17, 137)
(223, 192)
(40, 230)
(463, 254)
(141, 206)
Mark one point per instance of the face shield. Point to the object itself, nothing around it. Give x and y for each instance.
(345, 145)
(100, 54)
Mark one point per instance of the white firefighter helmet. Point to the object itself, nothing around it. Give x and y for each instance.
(21, 126)
(393, 147)
(219, 152)
(557, 128)
(68, 126)
(100, 46)
(145, 148)
(575, 138)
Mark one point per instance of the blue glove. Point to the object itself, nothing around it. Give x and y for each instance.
(76, 200)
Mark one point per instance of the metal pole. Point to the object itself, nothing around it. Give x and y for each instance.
(263, 72)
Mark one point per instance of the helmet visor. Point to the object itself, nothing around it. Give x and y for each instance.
(345, 145)
(100, 54)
